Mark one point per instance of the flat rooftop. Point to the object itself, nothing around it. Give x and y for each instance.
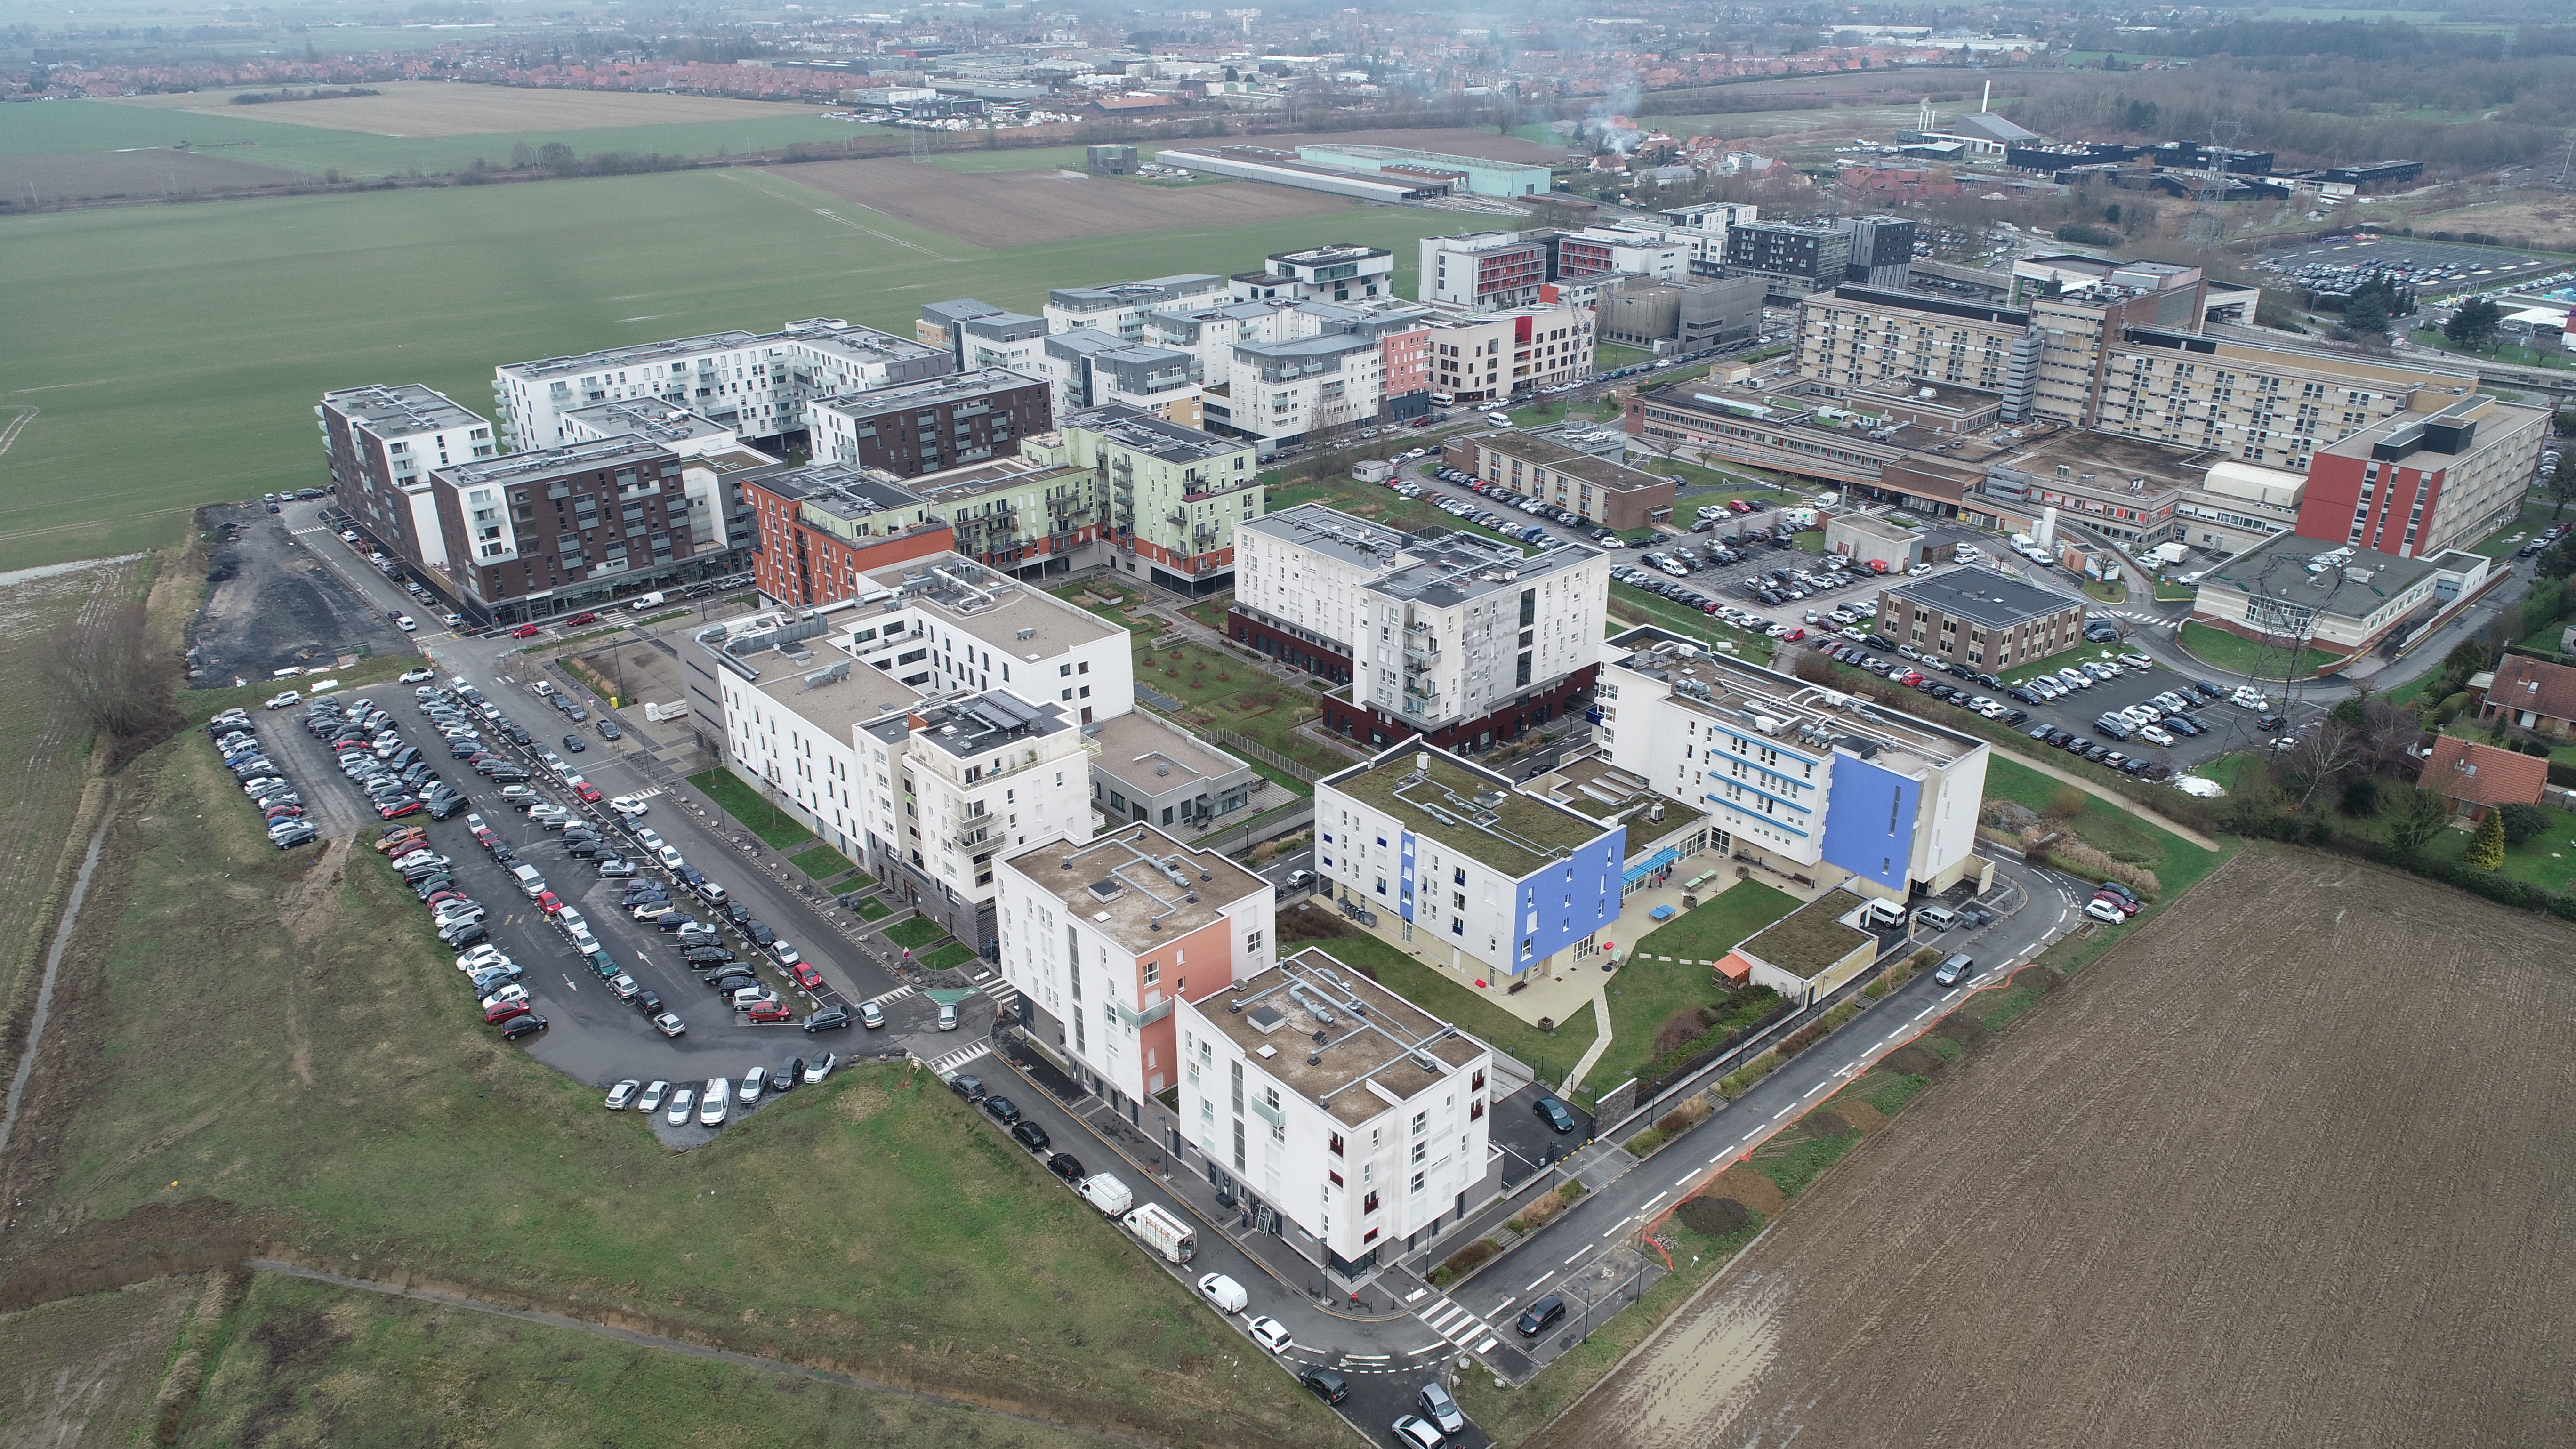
(993, 607)
(1455, 569)
(1598, 471)
(2100, 461)
(977, 724)
(400, 410)
(951, 388)
(1472, 811)
(1802, 716)
(975, 479)
(1328, 530)
(1810, 938)
(546, 462)
(1370, 1035)
(635, 355)
(1111, 296)
(847, 699)
(2277, 567)
(1148, 434)
(657, 422)
(1154, 758)
(1988, 597)
(1139, 886)
(843, 491)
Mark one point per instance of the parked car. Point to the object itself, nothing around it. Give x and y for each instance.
(1553, 1113)
(1539, 1316)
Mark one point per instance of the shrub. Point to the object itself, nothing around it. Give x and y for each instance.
(2486, 849)
(2065, 802)
(2087, 236)
(2523, 823)
(1687, 1114)
(1572, 1191)
(1734, 1084)
(1543, 1209)
(1840, 1014)
(1645, 1143)
(2360, 796)
(1714, 1217)
(1469, 1258)
(1801, 1039)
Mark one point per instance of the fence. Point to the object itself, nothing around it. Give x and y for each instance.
(1259, 828)
(1254, 749)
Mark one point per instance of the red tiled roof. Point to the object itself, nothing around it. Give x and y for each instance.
(2483, 774)
(2524, 683)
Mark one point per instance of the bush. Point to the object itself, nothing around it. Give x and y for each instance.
(1688, 1113)
(1645, 1143)
(2087, 236)
(2486, 849)
(2523, 823)
(1714, 1217)
(1469, 1258)
(1801, 1039)
(1840, 1014)
(1734, 1084)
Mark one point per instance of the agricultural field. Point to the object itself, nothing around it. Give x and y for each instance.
(327, 1108)
(77, 143)
(83, 1371)
(185, 347)
(2543, 217)
(1026, 207)
(2214, 1192)
(113, 175)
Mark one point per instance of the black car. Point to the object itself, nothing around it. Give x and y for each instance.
(1003, 1110)
(2208, 690)
(1030, 1135)
(730, 981)
(648, 1003)
(970, 1088)
(1329, 1386)
(573, 744)
(608, 729)
(707, 955)
(519, 1026)
(1553, 1113)
(830, 1018)
(760, 935)
(791, 1073)
(1536, 1318)
(1066, 1166)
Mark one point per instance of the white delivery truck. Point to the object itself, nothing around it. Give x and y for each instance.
(648, 601)
(1158, 1229)
(1107, 1194)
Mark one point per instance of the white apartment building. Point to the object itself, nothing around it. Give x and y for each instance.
(1468, 631)
(1358, 1118)
(1105, 938)
(1483, 269)
(382, 444)
(1598, 251)
(1298, 580)
(1340, 272)
(922, 726)
(1489, 358)
(1792, 774)
(756, 384)
(1120, 308)
(1086, 369)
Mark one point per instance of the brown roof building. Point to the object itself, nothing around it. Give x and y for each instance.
(2533, 693)
(2475, 777)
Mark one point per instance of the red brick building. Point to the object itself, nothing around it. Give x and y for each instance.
(819, 527)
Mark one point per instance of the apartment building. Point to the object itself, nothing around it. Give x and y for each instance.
(1855, 339)
(1279, 393)
(923, 727)
(381, 444)
(1340, 272)
(1028, 516)
(756, 384)
(1120, 308)
(1984, 618)
(1464, 868)
(825, 527)
(1793, 775)
(1278, 370)
(1152, 773)
(1108, 940)
(1490, 358)
(1174, 494)
(1088, 369)
(713, 463)
(1604, 251)
(977, 335)
(1361, 1144)
(532, 534)
(929, 427)
(1465, 642)
(1796, 259)
(1604, 492)
(1483, 271)
(1298, 577)
(2424, 484)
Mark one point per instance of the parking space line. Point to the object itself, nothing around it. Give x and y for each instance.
(1534, 1282)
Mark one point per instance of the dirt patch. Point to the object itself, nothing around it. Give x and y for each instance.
(2336, 1223)
(1751, 1189)
(433, 108)
(152, 1241)
(1021, 208)
(84, 1371)
(113, 175)
(1914, 1060)
(1308, 923)
(274, 603)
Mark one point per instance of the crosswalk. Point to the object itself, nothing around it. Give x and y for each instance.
(992, 984)
(957, 1059)
(898, 994)
(1458, 1325)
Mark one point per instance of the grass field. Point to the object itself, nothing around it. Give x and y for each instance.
(1553, 1053)
(822, 862)
(2239, 655)
(1648, 991)
(160, 391)
(84, 1370)
(750, 809)
(334, 1091)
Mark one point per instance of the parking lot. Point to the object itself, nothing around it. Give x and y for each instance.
(2338, 264)
(594, 1033)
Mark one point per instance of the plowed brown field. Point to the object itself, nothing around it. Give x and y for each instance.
(1016, 208)
(2294, 1166)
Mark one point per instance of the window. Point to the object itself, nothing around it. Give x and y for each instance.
(1335, 1143)
(1417, 1182)
(1153, 972)
(1368, 1204)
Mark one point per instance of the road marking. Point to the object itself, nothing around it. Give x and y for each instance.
(1440, 1347)
(1487, 1346)
(1818, 1087)
(1650, 1202)
(1927, 1011)
(1721, 1157)
(1417, 1295)
(1364, 1358)
(1533, 1283)
(1579, 1252)
(1783, 1112)
(1686, 1179)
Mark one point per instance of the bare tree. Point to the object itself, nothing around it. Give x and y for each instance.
(104, 666)
(2422, 816)
(2321, 757)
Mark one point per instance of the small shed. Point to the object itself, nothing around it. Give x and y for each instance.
(1807, 953)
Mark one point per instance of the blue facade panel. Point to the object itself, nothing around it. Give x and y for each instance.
(1869, 821)
(1567, 900)
(1404, 876)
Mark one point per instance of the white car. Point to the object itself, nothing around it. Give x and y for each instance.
(2104, 911)
(648, 839)
(415, 676)
(628, 806)
(451, 618)
(282, 701)
(405, 622)
(1271, 1334)
(2155, 736)
(670, 857)
(480, 957)
(1919, 570)
(623, 1093)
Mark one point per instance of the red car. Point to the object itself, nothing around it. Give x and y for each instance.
(525, 631)
(806, 976)
(399, 809)
(769, 1011)
(1793, 636)
(504, 1010)
(587, 791)
(2118, 902)
(548, 901)
(483, 836)
(582, 619)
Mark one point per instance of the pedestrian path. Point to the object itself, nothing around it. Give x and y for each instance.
(992, 984)
(1445, 1317)
(957, 1059)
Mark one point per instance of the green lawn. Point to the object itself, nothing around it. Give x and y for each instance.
(2537, 514)
(160, 392)
(915, 933)
(2176, 861)
(1551, 1054)
(872, 909)
(1690, 623)
(2513, 353)
(822, 862)
(2239, 655)
(750, 809)
(1646, 991)
(955, 953)
(1229, 692)
(878, 1197)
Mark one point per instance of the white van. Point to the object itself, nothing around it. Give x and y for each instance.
(711, 1107)
(1107, 1193)
(531, 884)
(648, 601)
(1882, 913)
(1226, 1294)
